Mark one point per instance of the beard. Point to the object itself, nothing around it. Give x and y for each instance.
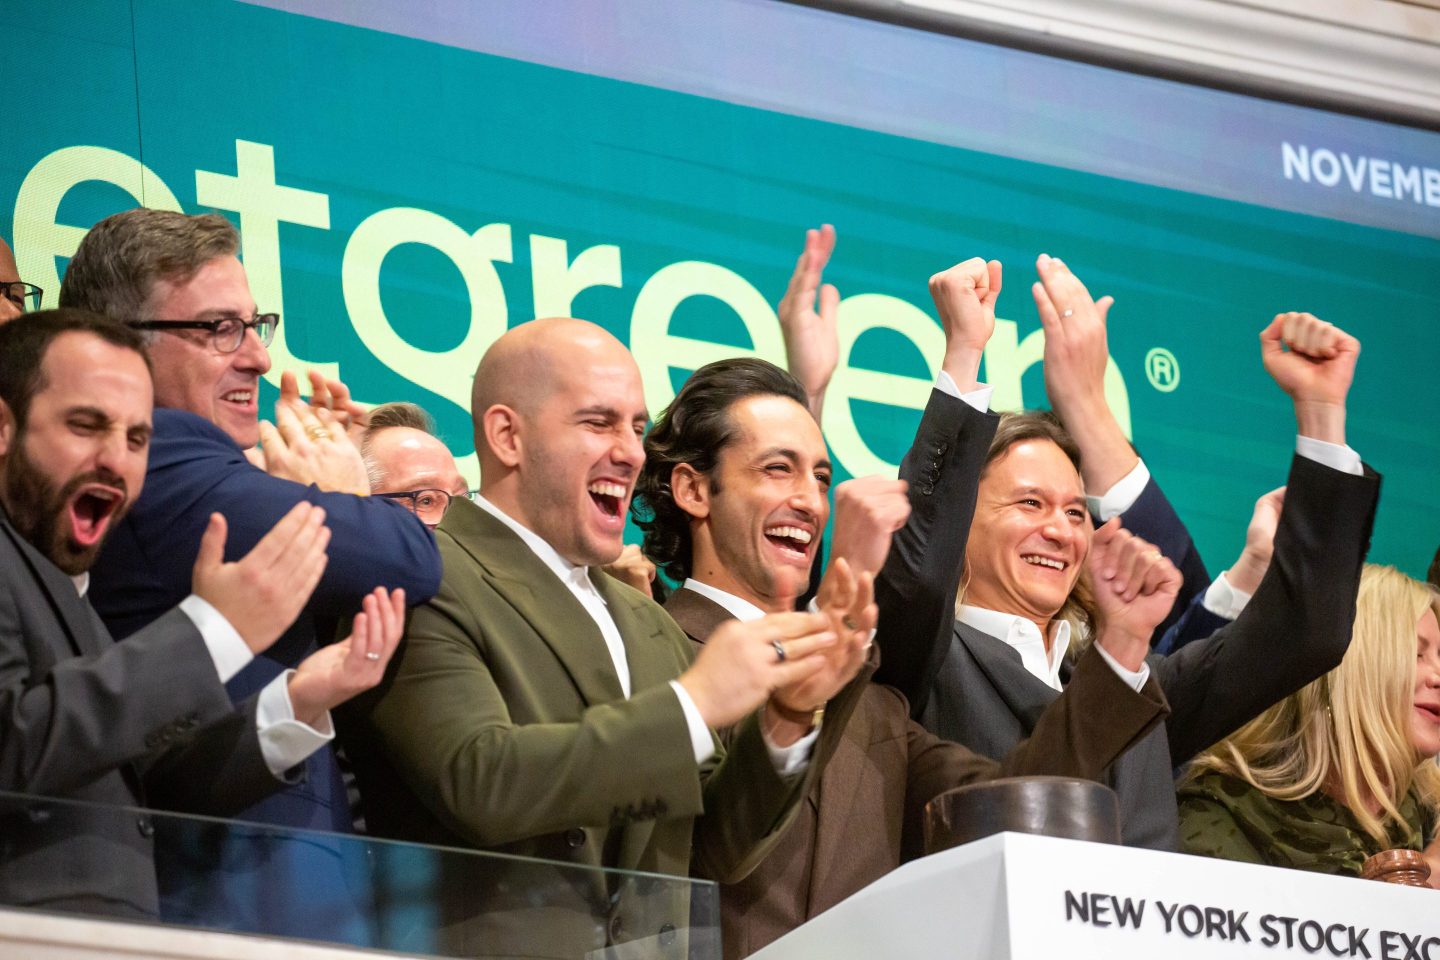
(39, 510)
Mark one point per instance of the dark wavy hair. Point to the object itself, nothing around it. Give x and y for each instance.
(694, 429)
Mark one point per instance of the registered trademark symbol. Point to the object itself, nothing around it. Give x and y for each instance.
(1162, 369)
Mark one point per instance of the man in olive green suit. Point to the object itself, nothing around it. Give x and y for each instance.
(540, 710)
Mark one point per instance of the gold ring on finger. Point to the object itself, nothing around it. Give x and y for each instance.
(850, 623)
(317, 432)
(1154, 555)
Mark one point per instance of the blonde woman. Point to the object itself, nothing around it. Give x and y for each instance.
(1346, 766)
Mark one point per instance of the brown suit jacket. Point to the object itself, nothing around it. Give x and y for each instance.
(862, 816)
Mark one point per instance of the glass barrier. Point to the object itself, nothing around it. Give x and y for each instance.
(74, 857)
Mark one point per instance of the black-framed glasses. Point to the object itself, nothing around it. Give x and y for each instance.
(24, 295)
(428, 505)
(226, 334)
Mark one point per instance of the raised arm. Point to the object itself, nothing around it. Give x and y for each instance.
(1298, 624)
(812, 350)
(1077, 354)
(917, 586)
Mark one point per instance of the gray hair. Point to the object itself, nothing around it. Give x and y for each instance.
(383, 417)
(117, 264)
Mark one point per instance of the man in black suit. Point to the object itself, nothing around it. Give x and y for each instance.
(147, 722)
(1023, 591)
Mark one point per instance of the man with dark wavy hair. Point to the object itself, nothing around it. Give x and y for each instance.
(732, 500)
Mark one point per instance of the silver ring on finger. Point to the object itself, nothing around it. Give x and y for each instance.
(779, 651)
(372, 655)
(1067, 312)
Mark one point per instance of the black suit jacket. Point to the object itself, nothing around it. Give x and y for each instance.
(85, 718)
(1296, 628)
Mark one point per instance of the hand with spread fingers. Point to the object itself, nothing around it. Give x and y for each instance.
(1077, 352)
(334, 396)
(812, 343)
(965, 298)
(852, 613)
(1249, 569)
(339, 671)
(309, 445)
(262, 593)
(632, 568)
(743, 662)
(1135, 587)
(1314, 363)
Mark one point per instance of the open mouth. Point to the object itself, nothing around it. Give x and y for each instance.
(609, 498)
(91, 510)
(792, 542)
(1048, 563)
(245, 399)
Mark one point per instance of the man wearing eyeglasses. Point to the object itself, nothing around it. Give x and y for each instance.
(16, 296)
(405, 461)
(178, 278)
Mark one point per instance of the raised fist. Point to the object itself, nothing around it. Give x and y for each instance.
(1135, 587)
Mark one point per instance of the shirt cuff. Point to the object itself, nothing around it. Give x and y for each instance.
(1336, 456)
(284, 741)
(979, 398)
(1122, 495)
(1135, 680)
(228, 652)
(1224, 599)
(794, 758)
(702, 741)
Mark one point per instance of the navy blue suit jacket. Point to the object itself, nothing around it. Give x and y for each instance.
(1152, 517)
(195, 469)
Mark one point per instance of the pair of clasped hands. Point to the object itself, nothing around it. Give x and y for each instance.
(264, 592)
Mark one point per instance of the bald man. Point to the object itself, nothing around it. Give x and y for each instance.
(405, 461)
(12, 297)
(537, 708)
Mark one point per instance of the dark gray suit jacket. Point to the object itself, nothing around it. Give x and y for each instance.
(85, 718)
(1296, 628)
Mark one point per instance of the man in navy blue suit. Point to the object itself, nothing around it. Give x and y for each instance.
(178, 276)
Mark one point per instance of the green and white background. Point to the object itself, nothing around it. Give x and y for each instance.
(410, 180)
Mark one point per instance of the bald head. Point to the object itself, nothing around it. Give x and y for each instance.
(8, 273)
(559, 412)
(526, 364)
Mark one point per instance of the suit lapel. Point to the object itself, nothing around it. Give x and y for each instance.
(59, 591)
(533, 590)
(698, 616)
(650, 655)
(1024, 693)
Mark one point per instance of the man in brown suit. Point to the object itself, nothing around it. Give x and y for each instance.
(539, 708)
(733, 492)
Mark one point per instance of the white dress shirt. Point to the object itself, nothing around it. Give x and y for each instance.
(284, 741)
(577, 580)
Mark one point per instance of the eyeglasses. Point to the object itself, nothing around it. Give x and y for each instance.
(428, 505)
(24, 295)
(226, 334)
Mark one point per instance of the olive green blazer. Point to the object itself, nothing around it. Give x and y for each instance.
(501, 725)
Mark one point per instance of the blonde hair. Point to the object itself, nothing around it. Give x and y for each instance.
(1349, 731)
